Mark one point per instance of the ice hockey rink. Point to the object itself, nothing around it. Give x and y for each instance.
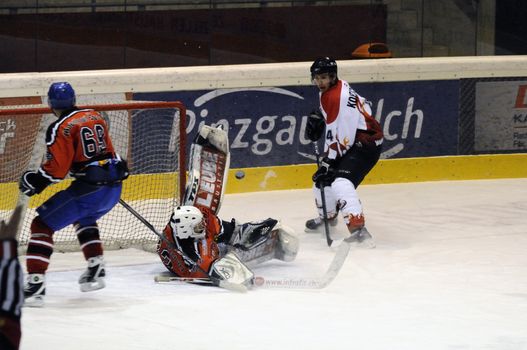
(449, 272)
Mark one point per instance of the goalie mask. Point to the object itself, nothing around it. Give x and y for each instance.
(187, 221)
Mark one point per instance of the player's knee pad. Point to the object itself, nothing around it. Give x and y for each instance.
(88, 233)
(288, 244)
(39, 227)
(348, 198)
(89, 240)
(331, 202)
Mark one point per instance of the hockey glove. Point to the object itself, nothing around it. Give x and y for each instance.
(32, 182)
(315, 125)
(326, 172)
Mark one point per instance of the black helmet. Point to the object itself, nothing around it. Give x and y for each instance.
(323, 65)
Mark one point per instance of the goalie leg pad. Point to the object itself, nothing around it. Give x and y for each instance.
(252, 234)
(208, 169)
(288, 244)
(232, 270)
(258, 245)
(254, 242)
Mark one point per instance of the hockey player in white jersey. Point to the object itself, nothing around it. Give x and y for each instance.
(352, 146)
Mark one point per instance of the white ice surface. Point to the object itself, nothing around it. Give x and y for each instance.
(449, 272)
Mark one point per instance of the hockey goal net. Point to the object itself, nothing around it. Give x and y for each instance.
(150, 135)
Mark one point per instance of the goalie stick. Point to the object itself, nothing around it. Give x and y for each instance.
(329, 241)
(284, 283)
(216, 281)
(170, 278)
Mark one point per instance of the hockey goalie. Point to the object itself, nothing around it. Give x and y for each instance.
(197, 244)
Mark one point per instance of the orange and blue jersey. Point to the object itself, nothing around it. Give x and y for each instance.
(77, 138)
(201, 252)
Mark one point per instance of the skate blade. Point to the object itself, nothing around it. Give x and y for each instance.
(322, 231)
(316, 230)
(91, 286)
(34, 301)
(363, 240)
(321, 228)
(367, 244)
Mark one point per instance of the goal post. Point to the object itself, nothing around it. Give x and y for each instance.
(151, 136)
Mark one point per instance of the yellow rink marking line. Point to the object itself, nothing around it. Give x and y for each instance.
(388, 171)
(289, 177)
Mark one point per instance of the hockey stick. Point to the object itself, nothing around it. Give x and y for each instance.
(329, 241)
(167, 278)
(216, 281)
(283, 283)
(311, 283)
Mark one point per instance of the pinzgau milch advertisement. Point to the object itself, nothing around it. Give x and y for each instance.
(266, 125)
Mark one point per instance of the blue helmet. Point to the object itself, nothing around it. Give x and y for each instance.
(61, 96)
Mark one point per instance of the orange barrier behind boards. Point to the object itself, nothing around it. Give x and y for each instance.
(372, 50)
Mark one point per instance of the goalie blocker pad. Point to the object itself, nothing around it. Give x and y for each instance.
(208, 169)
(281, 243)
(231, 270)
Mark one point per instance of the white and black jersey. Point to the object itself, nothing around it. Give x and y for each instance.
(11, 295)
(348, 119)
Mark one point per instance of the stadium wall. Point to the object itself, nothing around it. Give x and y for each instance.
(451, 118)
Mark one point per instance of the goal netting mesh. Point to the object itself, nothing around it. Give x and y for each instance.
(150, 135)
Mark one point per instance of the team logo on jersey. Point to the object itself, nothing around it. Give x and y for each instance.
(341, 203)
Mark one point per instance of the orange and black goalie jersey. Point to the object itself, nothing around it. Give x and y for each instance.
(76, 139)
(202, 251)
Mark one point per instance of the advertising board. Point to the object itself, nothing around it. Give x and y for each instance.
(266, 125)
(500, 116)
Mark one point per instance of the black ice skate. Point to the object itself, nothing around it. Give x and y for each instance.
(34, 290)
(317, 224)
(93, 277)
